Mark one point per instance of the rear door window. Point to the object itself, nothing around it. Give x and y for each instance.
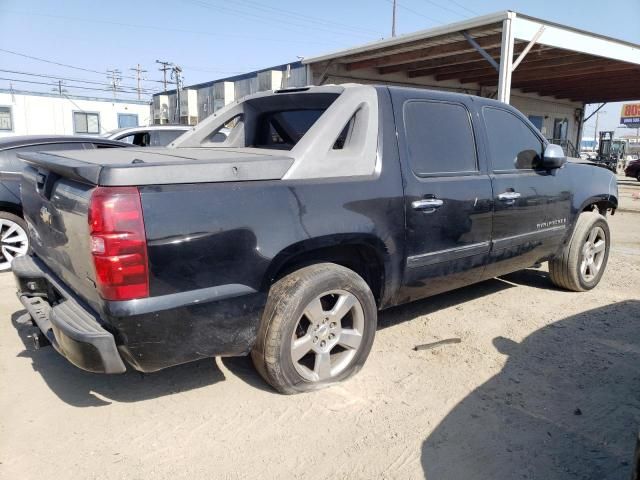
(439, 138)
(512, 144)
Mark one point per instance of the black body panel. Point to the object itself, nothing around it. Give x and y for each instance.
(215, 244)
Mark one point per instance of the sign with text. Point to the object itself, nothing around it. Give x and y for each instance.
(630, 115)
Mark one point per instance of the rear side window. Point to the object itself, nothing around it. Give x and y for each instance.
(439, 137)
(512, 144)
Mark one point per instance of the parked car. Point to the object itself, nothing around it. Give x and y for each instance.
(633, 169)
(323, 206)
(151, 136)
(13, 236)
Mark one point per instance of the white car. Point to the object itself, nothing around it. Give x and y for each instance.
(151, 136)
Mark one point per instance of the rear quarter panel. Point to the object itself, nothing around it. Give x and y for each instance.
(201, 236)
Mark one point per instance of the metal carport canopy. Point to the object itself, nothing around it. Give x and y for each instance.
(499, 52)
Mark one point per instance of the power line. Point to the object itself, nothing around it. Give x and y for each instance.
(66, 85)
(436, 4)
(58, 77)
(166, 29)
(415, 12)
(62, 64)
(315, 20)
(261, 18)
(464, 8)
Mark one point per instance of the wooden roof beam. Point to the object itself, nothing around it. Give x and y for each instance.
(603, 67)
(453, 59)
(596, 79)
(477, 63)
(607, 85)
(490, 41)
(535, 71)
(552, 60)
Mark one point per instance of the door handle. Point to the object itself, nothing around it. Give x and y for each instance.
(428, 205)
(509, 196)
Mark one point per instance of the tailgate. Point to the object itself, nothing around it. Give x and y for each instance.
(56, 210)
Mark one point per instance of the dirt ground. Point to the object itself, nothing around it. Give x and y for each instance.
(545, 385)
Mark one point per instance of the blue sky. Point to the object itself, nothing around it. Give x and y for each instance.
(216, 38)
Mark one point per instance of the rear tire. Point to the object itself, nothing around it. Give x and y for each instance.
(581, 264)
(14, 240)
(317, 328)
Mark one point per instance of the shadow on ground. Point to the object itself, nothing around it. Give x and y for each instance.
(528, 277)
(83, 389)
(566, 405)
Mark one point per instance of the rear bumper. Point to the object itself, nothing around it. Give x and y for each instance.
(72, 330)
(149, 334)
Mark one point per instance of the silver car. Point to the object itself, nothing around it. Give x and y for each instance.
(151, 136)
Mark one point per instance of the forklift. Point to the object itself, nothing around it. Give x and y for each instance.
(610, 151)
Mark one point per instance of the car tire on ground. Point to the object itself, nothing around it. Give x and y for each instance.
(317, 328)
(581, 264)
(14, 240)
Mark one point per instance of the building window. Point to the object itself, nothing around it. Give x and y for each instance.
(84, 122)
(537, 120)
(5, 119)
(126, 120)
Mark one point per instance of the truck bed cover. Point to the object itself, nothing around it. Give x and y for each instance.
(160, 166)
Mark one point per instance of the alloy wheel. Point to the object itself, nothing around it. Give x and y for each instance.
(327, 336)
(593, 253)
(13, 242)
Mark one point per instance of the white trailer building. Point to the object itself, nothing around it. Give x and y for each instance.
(33, 113)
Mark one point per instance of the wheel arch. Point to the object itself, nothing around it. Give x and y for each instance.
(10, 207)
(600, 202)
(364, 254)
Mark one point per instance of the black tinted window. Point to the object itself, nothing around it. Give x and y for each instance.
(284, 129)
(512, 144)
(439, 137)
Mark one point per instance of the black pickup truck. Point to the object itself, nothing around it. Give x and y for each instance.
(284, 238)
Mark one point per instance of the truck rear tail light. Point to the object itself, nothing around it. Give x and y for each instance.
(118, 243)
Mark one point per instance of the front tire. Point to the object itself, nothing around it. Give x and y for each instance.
(582, 262)
(14, 240)
(317, 328)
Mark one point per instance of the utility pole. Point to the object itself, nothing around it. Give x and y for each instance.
(176, 71)
(164, 69)
(58, 87)
(595, 133)
(393, 19)
(116, 78)
(139, 73)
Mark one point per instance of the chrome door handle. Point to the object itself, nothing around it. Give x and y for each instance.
(428, 205)
(508, 196)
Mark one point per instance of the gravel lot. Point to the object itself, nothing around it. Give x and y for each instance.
(545, 384)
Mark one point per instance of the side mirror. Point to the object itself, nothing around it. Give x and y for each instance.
(553, 157)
